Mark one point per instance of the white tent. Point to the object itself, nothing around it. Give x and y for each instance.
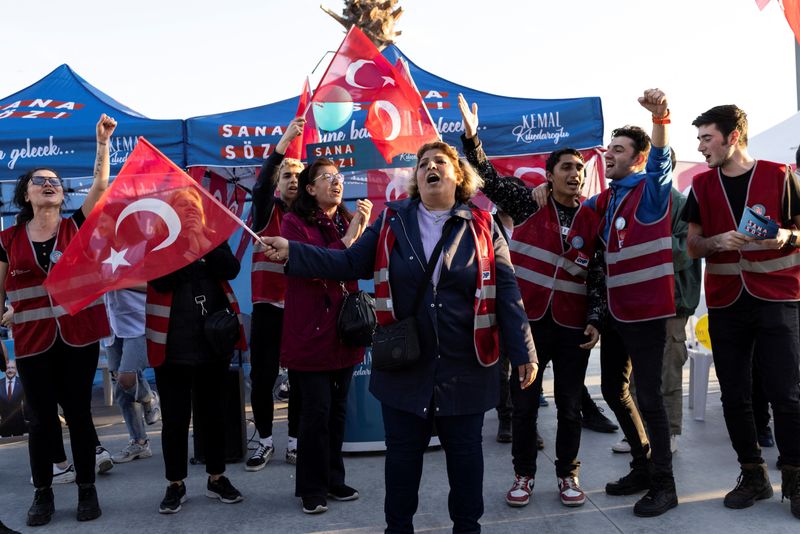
(778, 143)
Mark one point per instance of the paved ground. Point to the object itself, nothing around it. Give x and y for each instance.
(705, 468)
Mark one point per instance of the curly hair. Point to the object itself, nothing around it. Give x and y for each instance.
(468, 180)
(21, 189)
(639, 138)
(306, 205)
(287, 162)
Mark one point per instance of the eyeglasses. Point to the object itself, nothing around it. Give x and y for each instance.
(331, 177)
(41, 180)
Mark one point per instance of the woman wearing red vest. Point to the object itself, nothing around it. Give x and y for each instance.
(268, 285)
(319, 365)
(56, 353)
(551, 247)
(188, 369)
(471, 299)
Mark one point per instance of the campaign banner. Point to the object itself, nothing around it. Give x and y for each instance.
(52, 124)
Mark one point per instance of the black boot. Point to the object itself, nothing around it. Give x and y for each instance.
(751, 486)
(42, 508)
(592, 418)
(634, 482)
(88, 507)
(504, 430)
(659, 499)
(790, 487)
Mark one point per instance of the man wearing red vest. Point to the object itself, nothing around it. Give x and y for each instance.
(551, 247)
(752, 290)
(635, 231)
(268, 285)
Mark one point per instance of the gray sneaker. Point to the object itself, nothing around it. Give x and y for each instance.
(133, 451)
(152, 410)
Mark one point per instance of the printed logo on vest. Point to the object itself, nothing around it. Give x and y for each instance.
(582, 259)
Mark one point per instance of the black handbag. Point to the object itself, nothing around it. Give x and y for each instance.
(356, 322)
(396, 345)
(222, 331)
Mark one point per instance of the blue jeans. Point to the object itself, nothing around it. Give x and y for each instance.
(407, 437)
(129, 355)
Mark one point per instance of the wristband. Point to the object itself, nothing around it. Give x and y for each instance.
(662, 120)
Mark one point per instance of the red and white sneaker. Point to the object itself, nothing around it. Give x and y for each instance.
(571, 492)
(520, 492)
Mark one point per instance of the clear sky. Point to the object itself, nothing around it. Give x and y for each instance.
(169, 59)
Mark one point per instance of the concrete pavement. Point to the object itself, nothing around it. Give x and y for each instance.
(705, 469)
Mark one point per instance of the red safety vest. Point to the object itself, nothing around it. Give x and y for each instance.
(268, 283)
(640, 278)
(37, 321)
(548, 274)
(766, 274)
(157, 311)
(485, 330)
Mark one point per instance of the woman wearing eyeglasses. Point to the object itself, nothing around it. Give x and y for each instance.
(56, 353)
(319, 365)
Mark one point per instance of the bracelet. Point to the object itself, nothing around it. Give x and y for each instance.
(101, 143)
(662, 120)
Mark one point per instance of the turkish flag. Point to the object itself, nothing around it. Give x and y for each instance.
(397, 118)
(791, 10)
(153, 220)
(297, 148)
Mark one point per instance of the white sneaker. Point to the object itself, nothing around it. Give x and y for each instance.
(133, 451)
(673, 443)
(62, 476)
(621, 447)
(102, 460)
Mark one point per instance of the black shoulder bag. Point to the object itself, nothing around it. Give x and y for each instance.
(396, 346)
(356, 322)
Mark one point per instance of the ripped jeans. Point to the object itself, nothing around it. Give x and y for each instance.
(130, 355)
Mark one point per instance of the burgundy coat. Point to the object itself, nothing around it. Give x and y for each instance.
(309, 341)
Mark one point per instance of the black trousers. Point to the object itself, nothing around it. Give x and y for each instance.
(557, 344)
(265, 353)
(504, 405)
(767, 331)
(760, 402)
(61, 375)
(319, 442)
(639, 347)
(176, 383)
(407, 437)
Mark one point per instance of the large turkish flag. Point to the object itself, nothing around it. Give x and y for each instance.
(153, 220)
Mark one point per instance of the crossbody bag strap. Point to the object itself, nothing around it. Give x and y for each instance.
(437, 251)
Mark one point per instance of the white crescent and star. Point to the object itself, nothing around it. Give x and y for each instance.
(522, 171)
(153, 205)
(352, 71)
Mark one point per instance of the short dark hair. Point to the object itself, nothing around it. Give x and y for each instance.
(673, 158)
(306, 205)
(727, 118)
(553, 158)
(640, 139)
(797, 157)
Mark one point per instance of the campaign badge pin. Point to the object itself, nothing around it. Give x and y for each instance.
(55, 256)
(760, 209)
(582, 259)
(622, 234)
(577, 242)
(619, 224)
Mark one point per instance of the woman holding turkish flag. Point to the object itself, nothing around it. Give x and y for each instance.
(56, 353)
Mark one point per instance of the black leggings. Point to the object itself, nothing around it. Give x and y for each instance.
(61, 375)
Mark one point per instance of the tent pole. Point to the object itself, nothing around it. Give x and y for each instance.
(797, 70)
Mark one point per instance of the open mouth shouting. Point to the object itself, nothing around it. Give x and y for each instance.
(432, 178)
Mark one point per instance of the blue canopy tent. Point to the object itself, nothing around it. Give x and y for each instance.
(52, 124)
